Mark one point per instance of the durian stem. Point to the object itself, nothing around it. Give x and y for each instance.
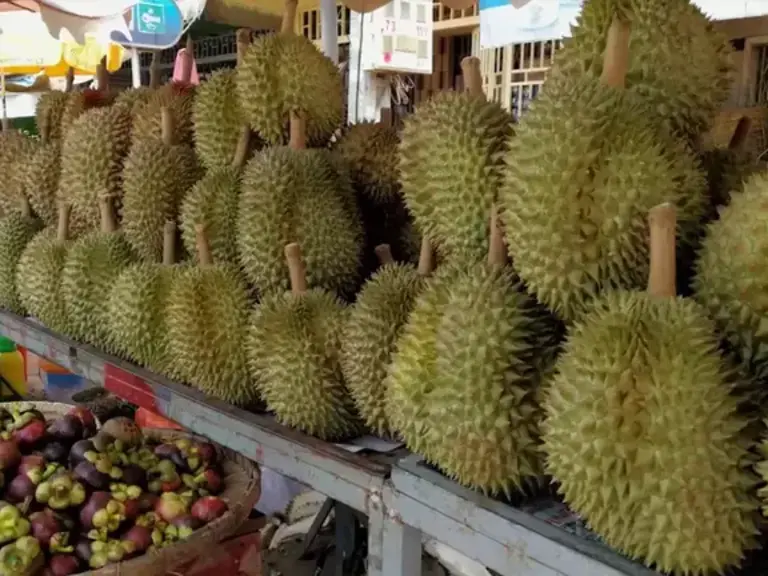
(662, 223)
(166, 126)
(6, 123)
(497, 253)
(63, 230)
(203, 247)
(169, 243)
(296, 268)
(740, 134)
(45, 130)
(26, 208)
(108, 222)
(243, 144)
(616, 57)
(298, 131)
(426, 257)
(473, 79)
(289, 16)
(70, 80)
(102, 76)
(186, 61)
(384, 254)
(243, 41)
(154, 71)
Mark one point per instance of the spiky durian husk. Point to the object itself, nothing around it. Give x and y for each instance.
(93, 264)
(38, 280)
(285, 72)
(575, 213)
(16, 231)
(137, 311)
(690, 79)
(641, 407)
(451, 160)
(213, 201)
(41, 180)
(293, 196)
(730, 276)
(92, 162)
(179, 99)
(134, 98)
(218, 119)
(81, 101)
(293, 354)
(370, 335)
(49, 111)
(207, 321)
(15, 151)
(370, 149)
(155, 179)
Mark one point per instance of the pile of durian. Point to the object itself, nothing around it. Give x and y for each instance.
(580, 298)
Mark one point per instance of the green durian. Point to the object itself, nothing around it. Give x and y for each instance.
(41, 174)
(285, 73)
(575, 212)
(49, 111)
(451, 160)
(293, 352)
(176, 97)
(291, 194)
(156, 176)
(690, 78)
(15, 151)
(207, 322)
(38, 277)
(16, 231)
(93, 263)
(134, 98)
(92, 157)
(79, 102)
(137, 308)
(371, 331)
(370, 150)
(730, 280)
(642, 433)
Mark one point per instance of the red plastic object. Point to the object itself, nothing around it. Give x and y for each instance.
(146, 419)
(129, 387)
(238, 557)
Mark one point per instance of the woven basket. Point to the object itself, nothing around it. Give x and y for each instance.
(51, 410)
(243, 489)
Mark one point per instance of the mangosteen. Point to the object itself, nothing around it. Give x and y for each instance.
(83, 549)
(167, 451)
(32, 412)
(87, 418)
(63, 565)
(98, 501)
(78, 451)
(140, 536)
(31, 462)
(102, 441)
(30, 435)
(20, 488)
(44, 525)
(134, 476)
(56, 451)
(87, 473)
(68, 428)
(10, 456)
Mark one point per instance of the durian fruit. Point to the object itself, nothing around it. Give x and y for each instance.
(42, 171)
(15, 151)
(80, 101)
(92, 157)
(690, 78)
(207, 322)
(49, 111)
(156, 176)
(370, 150)
(16, 231)
(730, 279)
(137, 308)
(463, 383)
(575, 212)
(375, 323)
(641, 408)
(38, 278)
(285, 73)
(93, 264)
(293, 352)
(292, 194)
(451, 161)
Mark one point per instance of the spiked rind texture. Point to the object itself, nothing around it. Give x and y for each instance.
(575, 214)
(38, 280)
(218, 119)
(93, 264)
(92, 162)
(155, 179)
(283, 73)
(81, 101)
(213, 201)
(49, 111)
(15, 151)
(134, 98)
(370, 150)
(451, 160)
(293, 354)
(295, 196)
(137, 310)
(370, 334)
(730, 280)
(642, 434)
(16, 231)
(41, 180)
(207, 320)
(691, 77)
(179, 99)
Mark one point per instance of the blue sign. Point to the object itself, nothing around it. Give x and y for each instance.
(153, 25)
